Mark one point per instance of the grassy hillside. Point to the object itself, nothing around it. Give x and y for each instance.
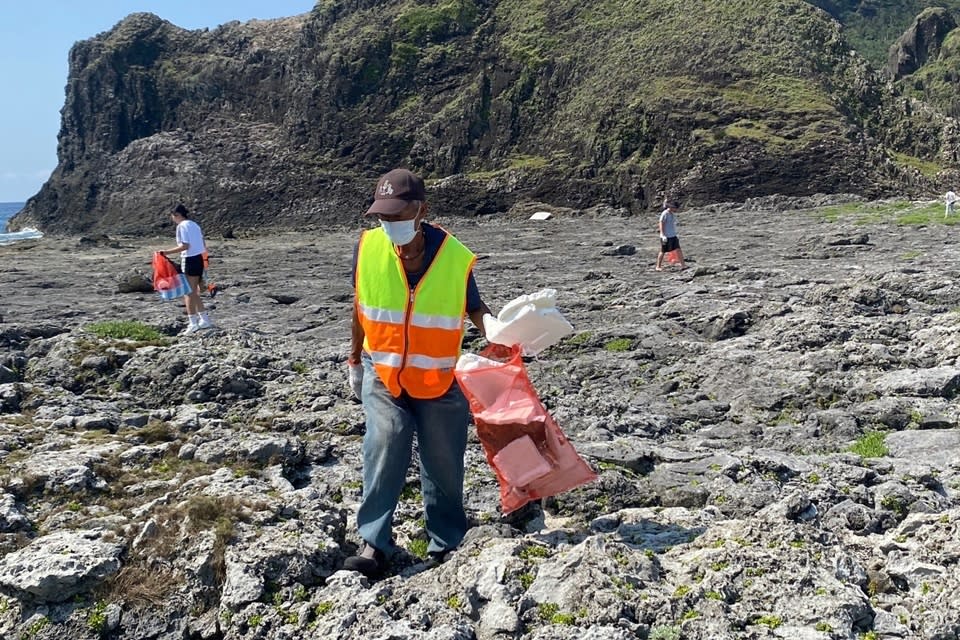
(567, 102)
(873, 25)
(658, 83)
(937, 81)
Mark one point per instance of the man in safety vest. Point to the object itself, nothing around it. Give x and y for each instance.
(413, 285)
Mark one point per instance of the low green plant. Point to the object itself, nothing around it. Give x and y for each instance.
(323, 608)
(454, 602)
(769, 621)
(418, 547)
(690, 614)
(97, 620)
(255, 620)
(546, 610)
(871, 445)
(526, 579)
(125, 330)
(299, 367)
(534, 551)
(562, 617)
(824, 627)
(681, 591)
(664, 633)
(618, 345)
(895, 504)
(35, 628)
(580, 338)
(410, 492)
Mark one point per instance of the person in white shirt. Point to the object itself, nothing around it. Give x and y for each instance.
(669, 241)
(951, 198)
(191, 247)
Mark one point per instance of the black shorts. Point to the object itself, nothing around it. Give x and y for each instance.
(192, 265)
(670, 244)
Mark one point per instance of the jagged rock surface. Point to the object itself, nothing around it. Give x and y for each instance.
(208, 483)
(920, 43)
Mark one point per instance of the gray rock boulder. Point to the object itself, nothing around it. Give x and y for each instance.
(58, 566)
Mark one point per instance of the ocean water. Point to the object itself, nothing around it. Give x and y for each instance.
(7, 211)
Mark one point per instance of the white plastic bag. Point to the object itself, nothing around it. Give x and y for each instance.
(531, 320)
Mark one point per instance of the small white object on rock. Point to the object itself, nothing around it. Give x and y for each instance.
(541, 215)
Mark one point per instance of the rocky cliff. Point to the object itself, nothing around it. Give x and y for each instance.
(286, 123)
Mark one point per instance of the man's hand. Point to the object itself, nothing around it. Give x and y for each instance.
(663, 238)
(356, 379)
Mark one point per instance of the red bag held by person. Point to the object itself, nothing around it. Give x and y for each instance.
(167, 279)
(524, 445)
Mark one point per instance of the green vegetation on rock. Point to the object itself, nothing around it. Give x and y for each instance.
(125, 330)
(871, 445)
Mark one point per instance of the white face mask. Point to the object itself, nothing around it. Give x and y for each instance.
(400, 233)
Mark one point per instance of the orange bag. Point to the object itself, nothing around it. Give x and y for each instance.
(523, 444)
(164, 271)
(167, 279)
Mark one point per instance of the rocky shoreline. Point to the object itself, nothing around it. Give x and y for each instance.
(775, 429)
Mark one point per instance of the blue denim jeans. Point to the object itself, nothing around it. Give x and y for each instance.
(440, 426)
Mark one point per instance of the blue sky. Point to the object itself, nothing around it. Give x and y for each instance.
(35, 37)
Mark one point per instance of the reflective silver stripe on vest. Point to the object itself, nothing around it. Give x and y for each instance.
(385, 358)
(426, 362)
(435, 322)
(386, 316)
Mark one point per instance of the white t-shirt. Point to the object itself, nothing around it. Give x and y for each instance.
(189, 233)
(951, 197)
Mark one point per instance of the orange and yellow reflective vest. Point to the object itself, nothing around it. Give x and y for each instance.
(413, 337)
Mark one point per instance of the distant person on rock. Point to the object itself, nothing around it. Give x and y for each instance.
(668, 234)
(413, 285)
(950, 198)
(191, 247)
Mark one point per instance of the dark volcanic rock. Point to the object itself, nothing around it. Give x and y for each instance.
(921, 42)
(285, 123)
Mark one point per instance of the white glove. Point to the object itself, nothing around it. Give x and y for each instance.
(663, 238)
(356, 379)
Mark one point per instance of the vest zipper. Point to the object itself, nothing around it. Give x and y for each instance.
(406, 330)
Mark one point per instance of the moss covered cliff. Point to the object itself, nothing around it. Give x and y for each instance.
(288, 122)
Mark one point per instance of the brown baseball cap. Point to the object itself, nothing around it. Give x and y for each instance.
(395, 190)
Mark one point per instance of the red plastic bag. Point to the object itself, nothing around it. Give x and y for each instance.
(524, 445)
(163, 270)
(167, 279)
